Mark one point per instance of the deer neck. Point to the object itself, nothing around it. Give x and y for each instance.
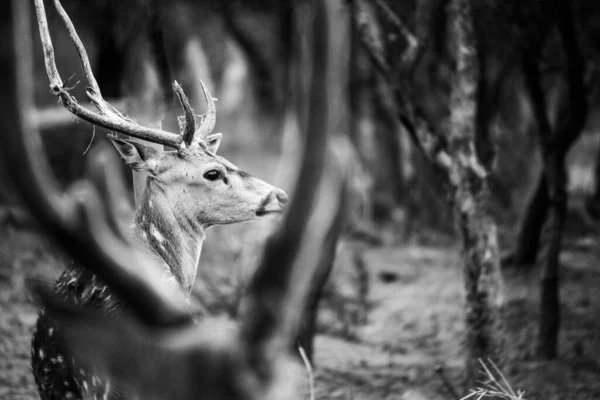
(177, 240)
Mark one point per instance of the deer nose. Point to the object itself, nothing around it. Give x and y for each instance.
(282, 197)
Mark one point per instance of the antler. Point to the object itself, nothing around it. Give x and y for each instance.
(108, 116)
(83, 218)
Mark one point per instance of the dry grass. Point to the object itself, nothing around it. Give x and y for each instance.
(494, 385)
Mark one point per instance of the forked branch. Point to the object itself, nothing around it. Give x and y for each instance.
(421, 132)
(412, 41)
(107, 116)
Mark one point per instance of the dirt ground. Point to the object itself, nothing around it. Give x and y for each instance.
(413, 321)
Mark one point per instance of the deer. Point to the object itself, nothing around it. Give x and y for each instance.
(187, 191)
(157, 350)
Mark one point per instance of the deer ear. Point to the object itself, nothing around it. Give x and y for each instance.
(137, 155)
(213, 141)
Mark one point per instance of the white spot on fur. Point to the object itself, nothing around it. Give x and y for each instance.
(156, 234)
(66, 383)
(60, 359)
(50, 331)
(68, 395)
(85, 386)
(41, 354)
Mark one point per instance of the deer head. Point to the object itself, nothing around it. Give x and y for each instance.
(204, 187)
(199, 185)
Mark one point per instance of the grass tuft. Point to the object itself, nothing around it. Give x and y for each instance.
(495, 385)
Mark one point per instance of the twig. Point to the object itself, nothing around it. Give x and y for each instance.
(366, 27)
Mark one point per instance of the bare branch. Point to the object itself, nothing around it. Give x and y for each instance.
(369, 36)
(412, 41)
(187, 122)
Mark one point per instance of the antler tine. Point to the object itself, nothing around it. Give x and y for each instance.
(208, 120)
(85, 61)
(107, 116)
(187, 122)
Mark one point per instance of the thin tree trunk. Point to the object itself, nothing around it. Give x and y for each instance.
(593, 202)
(530, 231)
(362, 80)
(481, 265)
(333, 30)
(571, 113)
(308, 329)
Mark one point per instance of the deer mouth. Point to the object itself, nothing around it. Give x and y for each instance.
(263, 208)
(261, 213)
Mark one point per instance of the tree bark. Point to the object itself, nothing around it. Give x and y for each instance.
(481, 265)
(451, 147)
(530, 231)
(555, 141)
(592, 204)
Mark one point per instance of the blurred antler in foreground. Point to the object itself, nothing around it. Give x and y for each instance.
(159, 353)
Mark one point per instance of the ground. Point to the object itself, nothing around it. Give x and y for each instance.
(387, 343)
(413, 324)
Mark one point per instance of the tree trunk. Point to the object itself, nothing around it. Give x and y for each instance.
(592, 204)
(570, 111)
(481, 266)
(307, 331)
(334, 29)
(451, 147)
(530, 231)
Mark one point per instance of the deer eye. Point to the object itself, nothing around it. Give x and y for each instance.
(212, 175)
